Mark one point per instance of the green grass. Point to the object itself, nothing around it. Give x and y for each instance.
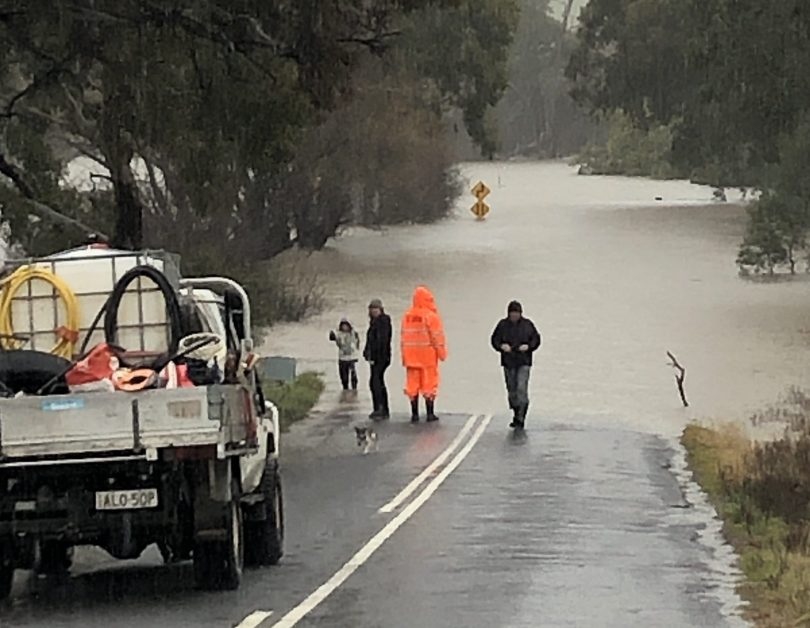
(771, 541)
(295, 399)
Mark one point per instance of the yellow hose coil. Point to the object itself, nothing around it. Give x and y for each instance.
(68, 334)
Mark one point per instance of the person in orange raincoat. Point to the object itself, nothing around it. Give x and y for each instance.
(423, 347)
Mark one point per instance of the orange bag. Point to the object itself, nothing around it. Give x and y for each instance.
(134, 380)
(99, 364)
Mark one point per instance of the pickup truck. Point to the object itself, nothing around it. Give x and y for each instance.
(192, 469)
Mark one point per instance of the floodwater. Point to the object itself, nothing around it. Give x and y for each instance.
(613, 279)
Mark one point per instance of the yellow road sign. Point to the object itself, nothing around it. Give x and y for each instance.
(480, 209)
(481, 191)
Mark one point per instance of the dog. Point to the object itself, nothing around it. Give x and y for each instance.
(366, 438)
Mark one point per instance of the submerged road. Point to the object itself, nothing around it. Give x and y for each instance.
(559, 527)
(590, 520)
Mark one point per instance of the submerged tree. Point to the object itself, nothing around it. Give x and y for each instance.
(780, 220)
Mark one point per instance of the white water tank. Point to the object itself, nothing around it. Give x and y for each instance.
(91, 273)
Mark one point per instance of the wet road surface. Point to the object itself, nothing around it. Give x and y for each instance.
(564, 526)
(332, 494)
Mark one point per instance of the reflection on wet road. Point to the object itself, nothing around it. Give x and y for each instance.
(565, 527)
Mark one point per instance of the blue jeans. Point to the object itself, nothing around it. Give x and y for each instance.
(517, 385)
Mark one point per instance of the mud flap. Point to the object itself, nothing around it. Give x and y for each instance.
(212, 495)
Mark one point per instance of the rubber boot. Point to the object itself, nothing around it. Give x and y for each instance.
(415, 410)
(431, 414)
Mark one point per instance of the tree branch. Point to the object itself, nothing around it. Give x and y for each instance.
(11, 172)
(680, 376)
(9, 108)
(43, 115)
(85, 149)
(38, 81)
(158, 192)
(85, 126)
(375, 43)
(15, 176)
(566, 16)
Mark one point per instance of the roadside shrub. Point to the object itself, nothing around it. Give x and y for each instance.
(285, 289)
(761, 491)
(778, 479)
(295, 399)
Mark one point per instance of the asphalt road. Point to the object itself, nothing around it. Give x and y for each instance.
(560, 527)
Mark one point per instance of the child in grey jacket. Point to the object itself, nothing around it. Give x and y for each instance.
(348, 343)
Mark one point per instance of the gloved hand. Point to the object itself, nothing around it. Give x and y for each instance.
(332, 336)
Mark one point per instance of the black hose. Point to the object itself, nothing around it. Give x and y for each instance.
(93, 327)
(164, 361)
(169, 296)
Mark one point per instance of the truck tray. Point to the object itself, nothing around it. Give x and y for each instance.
(101, 423)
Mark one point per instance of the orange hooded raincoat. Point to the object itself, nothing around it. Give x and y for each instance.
(423, 345)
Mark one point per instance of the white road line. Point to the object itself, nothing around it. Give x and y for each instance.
(430, 469)
(355, 562)
(254, 619)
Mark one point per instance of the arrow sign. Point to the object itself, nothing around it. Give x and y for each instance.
(480, 209)
(481, 191)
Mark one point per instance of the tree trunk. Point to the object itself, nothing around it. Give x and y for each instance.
(129, 218)
(566, 16)
(116, 120)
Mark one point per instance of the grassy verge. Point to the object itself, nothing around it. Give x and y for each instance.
(295, 399)
(760, 492)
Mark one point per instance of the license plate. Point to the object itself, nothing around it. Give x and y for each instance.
(127, 500)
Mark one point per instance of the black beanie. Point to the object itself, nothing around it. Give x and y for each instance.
(514, 306)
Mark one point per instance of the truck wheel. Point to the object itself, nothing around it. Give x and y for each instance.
(265, 533)
(6, 569)
(218, 564)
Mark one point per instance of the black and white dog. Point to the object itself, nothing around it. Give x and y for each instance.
(366, 438)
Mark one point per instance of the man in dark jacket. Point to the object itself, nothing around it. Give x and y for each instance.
(516, 339)
(378, 354)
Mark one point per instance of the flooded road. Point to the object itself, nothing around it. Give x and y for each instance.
(591, 519)
(613, 279)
